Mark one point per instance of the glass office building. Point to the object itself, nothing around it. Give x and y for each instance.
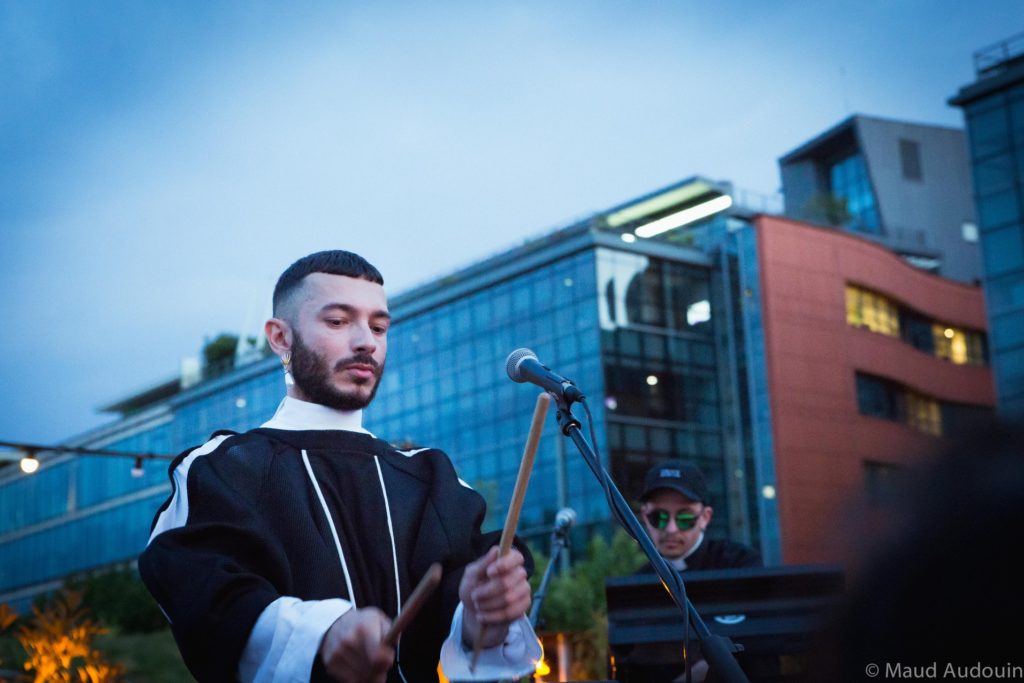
(994, 110)
(659, 329)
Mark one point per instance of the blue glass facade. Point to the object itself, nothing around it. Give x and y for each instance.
(849, 180)
(994, 111)
(79, 512)
(445, 384)
(758, 422)
(646, 330)
(660, 365)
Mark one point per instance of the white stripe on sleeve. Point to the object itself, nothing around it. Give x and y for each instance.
(286, 639)
(176, 513)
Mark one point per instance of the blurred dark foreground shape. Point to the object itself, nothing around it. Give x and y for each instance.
(932, 584)
(943, 585)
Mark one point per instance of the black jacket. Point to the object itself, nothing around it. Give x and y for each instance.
(256, 531)
(718, 554)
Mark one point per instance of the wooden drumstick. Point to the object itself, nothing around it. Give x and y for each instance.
(419, 596)
(518, 495)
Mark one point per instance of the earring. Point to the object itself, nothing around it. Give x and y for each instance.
(286, 360)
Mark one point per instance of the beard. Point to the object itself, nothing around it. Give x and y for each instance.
(312, 375)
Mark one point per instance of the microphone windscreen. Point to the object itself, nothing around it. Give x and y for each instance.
(512, 364)
(566, 517)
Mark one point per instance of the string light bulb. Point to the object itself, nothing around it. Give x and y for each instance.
(29, 463)
(26, 454)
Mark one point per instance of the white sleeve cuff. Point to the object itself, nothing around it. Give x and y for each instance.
(517, 656)
(286, 638)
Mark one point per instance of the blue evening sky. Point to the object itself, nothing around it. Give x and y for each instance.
(162, 162)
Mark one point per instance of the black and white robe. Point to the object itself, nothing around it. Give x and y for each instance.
(271, 535)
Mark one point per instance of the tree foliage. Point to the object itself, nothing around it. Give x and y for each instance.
(828, 209)
(219, 354)
(58, 643)
(119, 600)
(575, 602)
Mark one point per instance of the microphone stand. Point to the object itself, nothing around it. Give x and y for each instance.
(558, 541)
(717, 650)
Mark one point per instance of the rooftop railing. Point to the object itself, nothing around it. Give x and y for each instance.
(995, 58)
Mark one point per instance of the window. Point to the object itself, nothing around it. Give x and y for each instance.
(882, 482)
(962, 347)
(1003, 249)
(1016, 102)
(917, 331)
(888, 400)
(882, 315)
(923, 413)
(1006, 293)
(910, 159)
(994, 174)
(849, 180)
(998, 209)
(876, 398)
(873, 311)
(1007, 329)
(989, 131)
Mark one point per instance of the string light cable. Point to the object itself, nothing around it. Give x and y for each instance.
(27, 455)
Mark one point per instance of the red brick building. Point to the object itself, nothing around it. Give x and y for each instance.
(870, 363)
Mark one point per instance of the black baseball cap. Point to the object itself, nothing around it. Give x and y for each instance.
(677, 475)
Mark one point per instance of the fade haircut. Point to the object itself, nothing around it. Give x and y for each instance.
(332, 262)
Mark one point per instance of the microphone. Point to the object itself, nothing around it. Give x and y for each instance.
(564, 520)
(523, 366)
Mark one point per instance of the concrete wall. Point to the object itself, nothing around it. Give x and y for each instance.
(929, 211)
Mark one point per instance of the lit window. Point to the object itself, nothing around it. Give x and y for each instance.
(963, 347)
(879, 314)
(873, 311)
(885, 399)
(698, 312)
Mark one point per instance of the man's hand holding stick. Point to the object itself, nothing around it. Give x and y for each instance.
(512, 518)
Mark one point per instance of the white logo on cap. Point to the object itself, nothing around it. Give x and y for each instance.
(671, 473)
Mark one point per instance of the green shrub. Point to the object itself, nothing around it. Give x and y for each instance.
(147, 657)
(576, 604)
(119, 600)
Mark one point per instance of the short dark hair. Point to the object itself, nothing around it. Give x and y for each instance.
(332, 262)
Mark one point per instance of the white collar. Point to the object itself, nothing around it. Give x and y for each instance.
(295, 415)
(680, 562)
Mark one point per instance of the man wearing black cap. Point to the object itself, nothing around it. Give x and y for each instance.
(675, 509)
